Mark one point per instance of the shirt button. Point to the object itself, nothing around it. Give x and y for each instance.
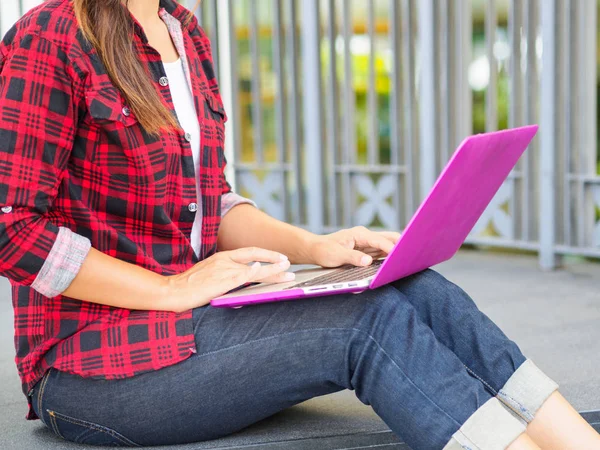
(7, 209)
(193, 207)
(126, 111)
(188, 137)
(163, 81)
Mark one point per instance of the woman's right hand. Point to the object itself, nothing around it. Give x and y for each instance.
(221, 273)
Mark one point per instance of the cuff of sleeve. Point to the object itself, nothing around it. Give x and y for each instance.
(527, 390)
(490, 427)
(63, 263)
(231, 200)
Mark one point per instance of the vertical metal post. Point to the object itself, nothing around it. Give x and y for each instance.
(333, 137)
(428, 116)
(566, 64)
(199, 12)
(464, 21)
(547, 258)
(530, 215)
(396, 119)
(294, 110)
(445, 43)
(409, 108)
(278, 44)
(214, 33)
(280, 116)
(349, 143)
(228, 85)
(311, 59)
(587, 153)
(373, 140)
(257, 112)
(515, 14)
(491, 100)
(516, 85)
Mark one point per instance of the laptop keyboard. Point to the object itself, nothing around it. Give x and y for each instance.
(342, 275)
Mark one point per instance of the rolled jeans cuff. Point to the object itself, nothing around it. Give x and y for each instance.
(527, 390)
(491, 427)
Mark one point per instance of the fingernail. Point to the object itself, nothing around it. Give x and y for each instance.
(289, 276)
(285, 263)
(366, 260)
(283, 257)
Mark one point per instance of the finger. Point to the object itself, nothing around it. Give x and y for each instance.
(284, 277)
(390, 235)
(374, 240)
(375, 254)
(370, 250)
(270, 270)
(252, 254)
(357, 258)
(247, 273)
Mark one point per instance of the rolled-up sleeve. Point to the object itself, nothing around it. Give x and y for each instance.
(231, 200)
(38, 119)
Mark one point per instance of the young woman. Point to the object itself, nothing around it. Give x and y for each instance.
(113, 206)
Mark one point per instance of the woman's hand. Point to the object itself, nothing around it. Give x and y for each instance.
(221, 273)
(357, 246)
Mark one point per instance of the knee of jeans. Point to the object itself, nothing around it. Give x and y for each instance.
(382, 305)
(432, 288)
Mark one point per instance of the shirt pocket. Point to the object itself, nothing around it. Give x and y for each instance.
(214, 128)
(121, 147)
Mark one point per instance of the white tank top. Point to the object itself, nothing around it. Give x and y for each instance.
(183, 100)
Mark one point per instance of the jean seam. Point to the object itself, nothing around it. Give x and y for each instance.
(54, 424)
(501, 395)
(485, 383)
(524, 412)
(94, 427)
(41, 393)
(338, 329)
(465, 447)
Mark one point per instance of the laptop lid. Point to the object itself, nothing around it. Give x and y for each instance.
(456, 202)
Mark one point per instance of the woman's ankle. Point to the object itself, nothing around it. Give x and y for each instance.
(523, 442)
(557, 425)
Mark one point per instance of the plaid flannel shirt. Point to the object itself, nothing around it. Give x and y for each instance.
(77, 170)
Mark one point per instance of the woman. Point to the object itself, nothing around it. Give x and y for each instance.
(114, 205)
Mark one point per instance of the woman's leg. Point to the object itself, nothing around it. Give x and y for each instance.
(558, 426)
(490, 356)
(256, 361)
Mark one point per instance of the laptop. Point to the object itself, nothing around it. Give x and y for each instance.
(434, 234)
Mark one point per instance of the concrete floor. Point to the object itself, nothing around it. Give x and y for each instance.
(554, 316)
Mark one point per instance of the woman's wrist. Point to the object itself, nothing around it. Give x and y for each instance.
(306, 249)
(165, 295)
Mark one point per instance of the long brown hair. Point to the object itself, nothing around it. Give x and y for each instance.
(107, 25)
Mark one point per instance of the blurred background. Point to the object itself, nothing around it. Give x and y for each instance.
(343, 112)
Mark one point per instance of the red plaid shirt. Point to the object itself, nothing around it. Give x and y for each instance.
(77, 170)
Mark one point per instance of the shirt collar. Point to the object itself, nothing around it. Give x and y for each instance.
(176, 10)
(170, 6)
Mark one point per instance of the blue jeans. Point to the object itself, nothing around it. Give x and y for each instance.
(419, 351)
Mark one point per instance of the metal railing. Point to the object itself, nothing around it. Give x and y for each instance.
(343, 112)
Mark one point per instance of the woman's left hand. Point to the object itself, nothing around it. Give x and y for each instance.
(357, 246)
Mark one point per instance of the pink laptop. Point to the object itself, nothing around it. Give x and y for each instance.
(434, 234)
